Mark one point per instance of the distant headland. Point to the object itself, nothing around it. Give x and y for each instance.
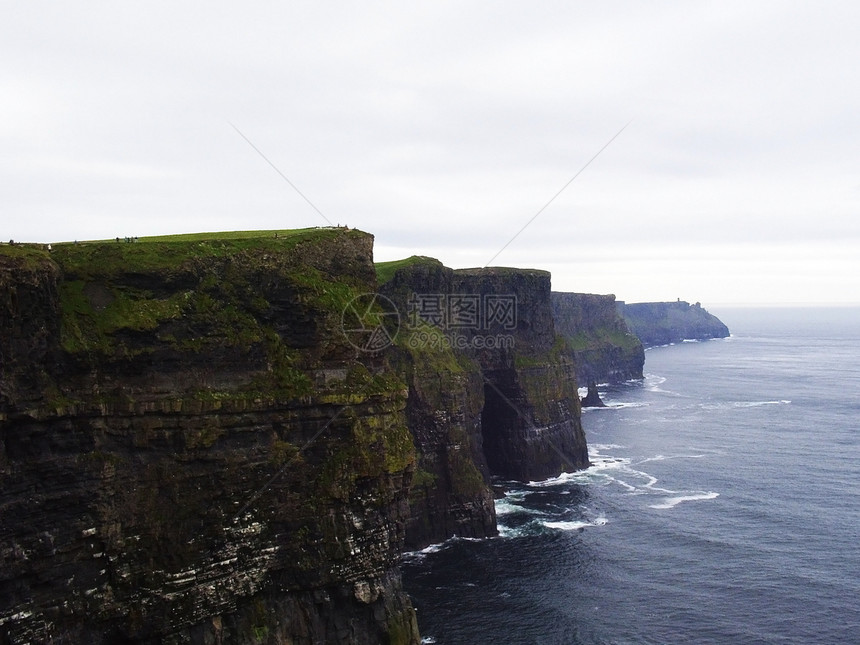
(663, 323)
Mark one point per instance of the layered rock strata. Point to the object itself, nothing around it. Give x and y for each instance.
(497, 395)
(225, 439)
(191, 450)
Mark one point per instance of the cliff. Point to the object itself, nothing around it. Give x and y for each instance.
(231, 438)
(604, 348)
(450, 493)
(661, 323)
(531, 417)
(192, 451)
(501, 399)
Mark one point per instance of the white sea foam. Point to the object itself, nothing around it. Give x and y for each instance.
(435, 548)
(651, 483)
(422, 553)
(622, 471)
(505, 507)
(579, 477)
(605, 470)
(538, 526)
(515, 531)
(574, 525)
(611, 405)
(600, 463)
(672, 502)
(742, 404)
(665, 457)
(653, 383)
(515, 495)
(648, 349)
(566, 526)
(597, 447)
(755, 404)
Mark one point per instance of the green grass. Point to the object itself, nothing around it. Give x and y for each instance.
(601, 338)
(84, 327)
(385, 270)
(207, 236)
(30, 255)
(423, 478)
(501, 271)
(219, 296)
(171, 252)
(197, 293)
(234, 235)
(220, 300)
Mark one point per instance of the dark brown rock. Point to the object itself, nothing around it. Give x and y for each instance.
(605, 349)
(191, 451)
(592, 398)
(505, 392)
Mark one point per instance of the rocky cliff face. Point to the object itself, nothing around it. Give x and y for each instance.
(450, 493)
(661, 323)
(605, 349)
(191, 451)
(197, 446)
(531, 417)
(492, 392)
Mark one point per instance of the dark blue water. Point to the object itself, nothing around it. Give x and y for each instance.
(723, 506)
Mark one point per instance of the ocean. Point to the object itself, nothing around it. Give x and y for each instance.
(722, 506)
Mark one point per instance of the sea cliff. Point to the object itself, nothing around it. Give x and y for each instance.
(518, 416)
(198, 446)
(662, 323)
(605, 349)
(193, 452)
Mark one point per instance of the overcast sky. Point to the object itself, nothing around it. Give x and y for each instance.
(443, 128)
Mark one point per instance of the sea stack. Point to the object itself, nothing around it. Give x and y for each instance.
(592, 398)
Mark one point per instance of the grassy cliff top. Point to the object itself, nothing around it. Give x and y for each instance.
(385, 270)
(167, 251)
(500, 271)
(197, 294)
(241, 235)
(28, 255)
